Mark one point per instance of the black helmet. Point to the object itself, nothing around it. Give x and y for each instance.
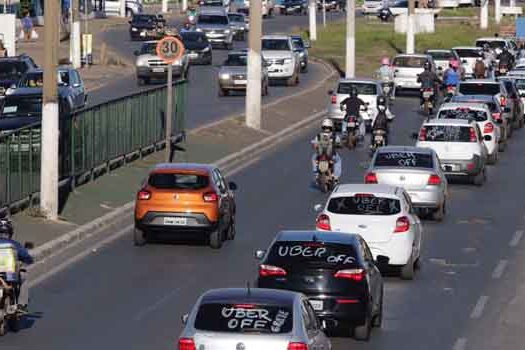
(427, 65)
(381, 100)
(353, 91)
(6, 229)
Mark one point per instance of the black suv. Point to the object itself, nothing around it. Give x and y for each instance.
(146, 27)
(12, 69)
(334, 270)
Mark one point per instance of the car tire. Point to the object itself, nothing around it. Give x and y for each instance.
(304, 69)
(493, 158)
(480, 178)
(3, 321)
(232, 231)
(215, 239)
(377, 321)
(362, 333)
(14, 323)
(502, 146)
(186, 74)
(265, 90)
(291, 81)
(522, 122)
(139, 237)
(228, 46)
(439, 214)
(223, 92)
(407, 271)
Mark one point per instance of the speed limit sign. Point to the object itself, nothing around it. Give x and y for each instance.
(170, 49)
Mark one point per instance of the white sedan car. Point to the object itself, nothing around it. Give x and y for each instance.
(383, 215)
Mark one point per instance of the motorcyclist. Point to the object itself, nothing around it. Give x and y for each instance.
(6, 234)
(386, 74)
(325, 143)
(381, 121)
(480, 69)
(451, 77)
(506, 58)
(187, 27)
(352, 105)
(428, 80)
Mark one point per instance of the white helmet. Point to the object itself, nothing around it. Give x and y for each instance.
(327, 123)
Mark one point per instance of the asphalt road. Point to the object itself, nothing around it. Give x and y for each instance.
(203, 104)
(123, 297)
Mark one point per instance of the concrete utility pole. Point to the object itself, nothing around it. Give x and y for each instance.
(350, 39)
(169, 112)
(86, 14)
(312, 7)
(184, 6)
(74, 38)
(50, 118)
(122, 8)
(253, 87)
(410, 27)
(497, 11)
(484, 15)
(324, 13)
(164, 6)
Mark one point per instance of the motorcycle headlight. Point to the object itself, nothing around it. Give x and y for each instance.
(133, 29)
(199, 29)
(224, 76)
(301, 54)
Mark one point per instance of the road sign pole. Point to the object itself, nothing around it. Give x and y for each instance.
(169, 112)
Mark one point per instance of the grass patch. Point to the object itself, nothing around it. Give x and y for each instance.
(459, 12)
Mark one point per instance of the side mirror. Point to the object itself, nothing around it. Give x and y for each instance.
(232, 186)
(382, 261)
(29, 245)
(259, 254)
(184, 319)
(136, 52)
(318, 207)
(415, 135)
(330, 92)
(487, 137)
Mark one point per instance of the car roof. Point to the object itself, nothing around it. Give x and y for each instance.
(479, 81)
(471, 105)
(358, 81)
(457, 122)
(238, 52)
(14, 58)
(212, 10)
(59, 69)
(320, 236)
(466, 98)
(364, 188)
(184, 167)
(439, 50)
(237, 14)
(411, 149)
(466, 48)
(422, 55)
(249, 295)
(493, 38)
(276, 36)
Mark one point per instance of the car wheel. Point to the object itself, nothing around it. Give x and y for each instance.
(296, 79)
(215, 239)
(14, 323)
(3, 321)
(232, 231)
(229, 46)
(223, 92)
(139, 237)
(378, 318)
(522, 122)
(479, 179)
(439, 214)
(502, 146)
(291, 81)
(187, 73)
(493, 158)
(304, 69)
(265, 90)
(407, 271)
(362, 332)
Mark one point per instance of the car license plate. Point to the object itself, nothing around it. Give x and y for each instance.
(175, 221)
(351, 125)
(193, 55)
(239, 82)
(450, 167)
(158, 70)
(317, 304)
(427, 94)
(378, 138)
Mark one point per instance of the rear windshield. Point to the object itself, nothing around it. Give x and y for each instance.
(144, 18)
(244, 318)
(493, 44)
(178, 181)
(362, 88)
(404, 159)
(149, 49)
(11, 70)
(236, 60)
(236, 18)
(463, 113)
(410, 62)
(479, 89)
(364, 205)
(447, 133)
(213, 19)
(493, 106)
(441, 55)
(313, 254)
(468, 53)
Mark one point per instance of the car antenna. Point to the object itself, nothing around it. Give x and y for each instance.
(248, 290)
(314, 238)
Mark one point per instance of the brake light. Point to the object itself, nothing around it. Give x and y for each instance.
(244, 306)
(423, 134)
(364, 195)
(402, 224)
(356, 275)
(186, 344)
(347, 301)
(471, 166)
(351, 119)
(143, 195)
(434, 180)
(473, 137)
(334, 99)
(323, 223)
(269, 270)
(297, 346)
(503, 101)
(210, 197)
(370, 178)
(496, 116)
(488, 129)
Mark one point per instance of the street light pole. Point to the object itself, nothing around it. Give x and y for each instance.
(253, 87)
(410, 27)
(484, 15)
(350, 39)
(313, 21)
(122, 8)
(497, 11)
(50, 110)
(324, 13)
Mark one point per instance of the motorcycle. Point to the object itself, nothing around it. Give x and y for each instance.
(325, 170)
(351, 136)
(503, 69)
(387, 90)
(428, 94)
(378, 140)
(450, 90)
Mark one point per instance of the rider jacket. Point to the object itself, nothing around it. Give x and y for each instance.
(352, 105)
(428, 79)
(505, 58)
(324, 143)
(451, 77)
(479, 69)
(23, 254)
(386, 73)
(381, 121)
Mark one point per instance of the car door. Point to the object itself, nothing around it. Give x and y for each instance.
(224, 195)
(375, 279)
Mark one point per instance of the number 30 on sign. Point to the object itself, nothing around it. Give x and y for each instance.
(170, 49)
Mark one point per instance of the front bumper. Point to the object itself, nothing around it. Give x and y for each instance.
(157, 73)
(459, 167)
(371, 10)
(163, 222)
(199, 57)
(145, 34)
(219, 38)
(233, 83)
(285, 71)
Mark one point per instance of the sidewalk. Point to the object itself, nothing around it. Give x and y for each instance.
(205, 144)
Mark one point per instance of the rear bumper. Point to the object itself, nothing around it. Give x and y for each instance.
(398, 249)
(196, 222)
(427, 198)
(406, 83)
(470, 167)
(353, 312)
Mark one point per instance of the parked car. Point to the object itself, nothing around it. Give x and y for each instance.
(301, 47)
(12, 69)
(233, 73)
(252, 318)
(216, 25)
(133, 7)
(336, 271)
(283, 62)
(150, 67)
(198, 48)
(442, 57)
(459, 146)
(383, 215)
(468, 56)
(185, 198)
(147, 27)
(417, 170)
(407, 67)
(268, 8)
(238, 25)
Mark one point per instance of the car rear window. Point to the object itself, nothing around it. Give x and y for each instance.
(493, 44)
(463, 113)
(441, 55)
(479, 89)
(313, 254)
(213, 19)
(404, 159)
(410, 62)
(362, 88)
(178, 181)
(364, 204)
(447, 133)
(468, 53)
(244, 318)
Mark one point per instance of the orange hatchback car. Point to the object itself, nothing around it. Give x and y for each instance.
(184, 198)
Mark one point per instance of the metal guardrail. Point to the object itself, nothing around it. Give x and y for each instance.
(90, 139)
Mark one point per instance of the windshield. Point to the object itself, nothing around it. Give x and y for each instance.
(213, 19)
(493, 44)
(17, 107)
(11, 70)
(410, 62)
(404, 160)
(463, 113)
(36, 80)
(149, 49)
(143, 19)
(364, 204)
(298, 43)
(479, 89)
(196, 37)
(236, 18)
(245, 318)
(446, 133)
(236, 60)
(441, 55)
(468, 53)
(178, 181)
(362, 88)
(275, 45)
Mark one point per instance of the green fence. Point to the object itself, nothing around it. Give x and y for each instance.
(91, 138)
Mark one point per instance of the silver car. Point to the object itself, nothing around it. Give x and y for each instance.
(233, 73)
(407, 67)
(415, 169)
(252, 319)
(238, 25)
(150, 67)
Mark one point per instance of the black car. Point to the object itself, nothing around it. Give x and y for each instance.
(146, 26)
(197, 47)
(290, 7)
(12, 69)
(336, 271)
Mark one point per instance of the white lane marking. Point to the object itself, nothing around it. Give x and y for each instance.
(460, 344)
(516, 238)
(156, 305)
(242, 167)
(500, 268)
(477, 312)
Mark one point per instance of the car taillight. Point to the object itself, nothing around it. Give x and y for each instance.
(210, 197)
(503, 101)
(370, 178)
(323, 223)
(186, 344)
(434, 180)
(351, 274)
(334, 99)
(269, 270)
(402, 224)
(423, 134)
(351, 119)
(488, 129)
(143, 195)
(473, 137)
(496, 116)
(297, 346)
